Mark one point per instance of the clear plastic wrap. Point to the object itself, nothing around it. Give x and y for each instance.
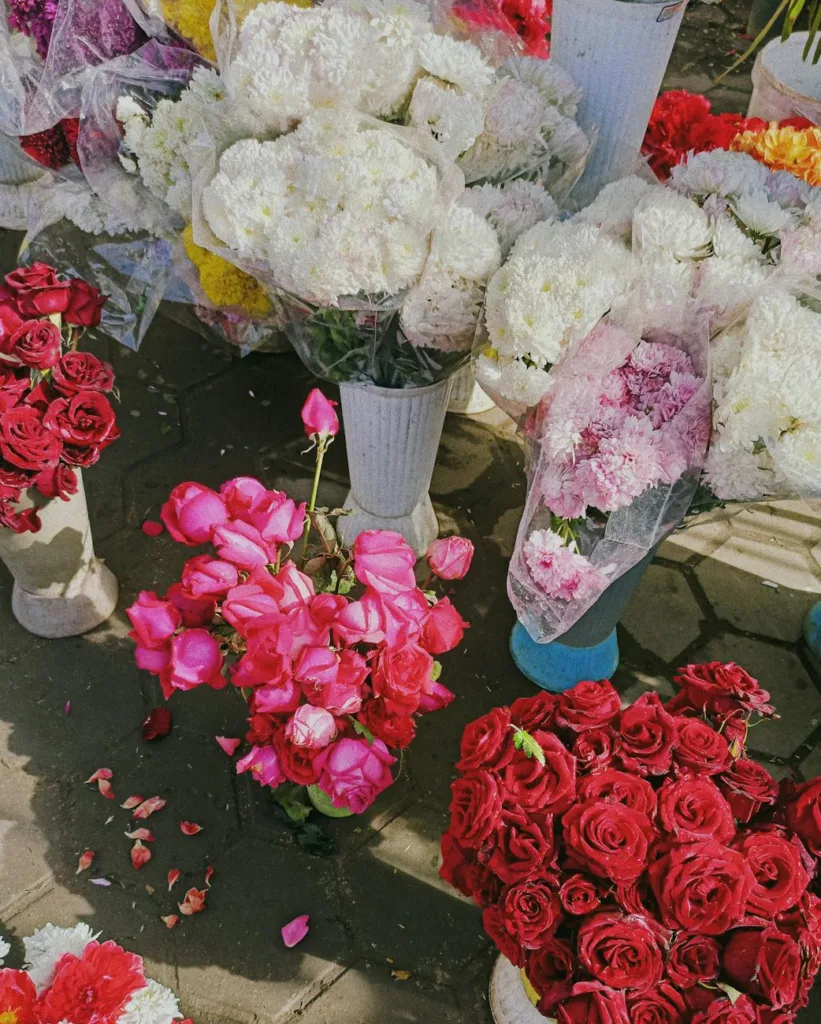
(584, 440)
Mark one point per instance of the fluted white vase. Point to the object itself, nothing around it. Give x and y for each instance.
(466, 397)
(60, 588)
(616, 52)
(392, 436)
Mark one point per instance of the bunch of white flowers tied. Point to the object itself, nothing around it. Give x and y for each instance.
(341, 139)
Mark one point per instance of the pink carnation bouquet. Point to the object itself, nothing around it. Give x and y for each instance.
(615, 450)
(334, 653)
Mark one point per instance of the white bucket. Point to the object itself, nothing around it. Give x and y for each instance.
(466, 397)
(392, 436)
(508, 1001)
(784, 85)
(617, 53)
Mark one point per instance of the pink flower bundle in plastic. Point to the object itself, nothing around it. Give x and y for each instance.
(615, 447)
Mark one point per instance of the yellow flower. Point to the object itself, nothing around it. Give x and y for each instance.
(223, 283)
(785, 149)
(190, 19)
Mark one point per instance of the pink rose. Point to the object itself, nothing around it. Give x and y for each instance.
(353, 669)
(256, 597)
(191, 513)
(384, 560)
(354, 772)
(332, 681)
(240, 494)
(195, 611)
(311, 727)
(154, 619)
(438, 698)
(318, 415)
(153, 659)
(294, 589)
(276, 517)
(204, 576)
(263, 764)
(266, 661)
(195, 660)
(280, 699)
(405, 615)
(242, 544)
(316, 666)
(449, 558)
(362, 621)
(306, 631)
(324, 608)
(400, 675)
(443, 629)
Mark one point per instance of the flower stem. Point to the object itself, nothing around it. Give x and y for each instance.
(320, 455)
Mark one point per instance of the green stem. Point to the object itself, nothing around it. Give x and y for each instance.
(320, 455)
(759, 39)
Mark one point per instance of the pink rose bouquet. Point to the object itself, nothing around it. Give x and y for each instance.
(335, 655)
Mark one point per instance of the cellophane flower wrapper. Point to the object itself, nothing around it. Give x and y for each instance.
(610, 543)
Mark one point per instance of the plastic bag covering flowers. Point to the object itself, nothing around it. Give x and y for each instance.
(54, 414)
(223, 283)
(635, 863)
(529, 20)
(615, 451)
(70, 976)
(336, 659)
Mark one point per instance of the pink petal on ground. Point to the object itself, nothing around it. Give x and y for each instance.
(228, 744)
(193, 903)
(147, 807)
(171, 921)
(173, 878)
(104, 882)
(101, 773)
(106, 788)
(145, 834)
(85, 861)
(132, 802)
(190, 828)
(151, 528)
(139, 855)
(294, 932)
(209, 874)
(67, 708)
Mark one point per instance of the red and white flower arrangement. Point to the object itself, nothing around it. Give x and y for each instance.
(334, 679)
(54, 414)
(636, 863)
(70, 976)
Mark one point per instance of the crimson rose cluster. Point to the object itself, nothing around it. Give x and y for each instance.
(54, 414)
(635, 863)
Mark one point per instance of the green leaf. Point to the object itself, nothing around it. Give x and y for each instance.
(362, 730)
(437, 671)
(529, 746)
(732, 993)
(288, 799)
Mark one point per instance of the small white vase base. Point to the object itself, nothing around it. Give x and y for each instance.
(420, 529)
(85, 604)
(508, 1000)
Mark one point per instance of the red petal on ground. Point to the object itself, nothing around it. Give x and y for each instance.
(101, 773)
(173, 878)
(132, 802)
(147, 807)
(151, 528)
(106, 788)
(228, 744)
(171, 921)
(85, 861)
(190, 828)
(295, 931)
(209, 874)
(193, 903)
(157, 724)
(140, 855)
(145, 834)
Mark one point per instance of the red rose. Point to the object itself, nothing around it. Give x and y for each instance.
(522, 846)
(609, 840)
(534, 713)
(37, 290)
(662, 1005)
(722, 689)
(635, 897)
(400, 676)
(36, 276)
(263, 729)
(764, 963)
(701, 887)
(475, 808)
(10, 318)
(57, 482)
(693, 959)
(82, 371)
(550, 970)
(82, 456)
(723, 1011)
(594, 749)
(493, 921)
(25, 442)
(443, 629)
(694, 808)
(487, 742)
(297, 762)
(588, 705)
(549, 787)
(780, 878)
(616, 787)
(36, 343)
(462, 869)
(16, 479)
(647, 735)
(27, 521)
(532, 913)
(592, 1003)
(579, 895)
(802, 809)
(747, 786)
(620, 951)
(84, 420)
(85, 305)
(395, 731)
(12, 387)
(699, 748)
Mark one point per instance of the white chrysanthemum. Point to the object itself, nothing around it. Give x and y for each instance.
(725, 353)
(731, 243)
(45, 947)
(737, 474)
(5, 949)
(458, 62)
(787, 190)
(667, 222)
(800, 251)
(661, 299)
(613, 208)
(512, 380)
(512, 208)
(719, 173)
(152, 1004)
(453, 117)
(555, 86)
(797, 457)
(759, 215)
(725, 288)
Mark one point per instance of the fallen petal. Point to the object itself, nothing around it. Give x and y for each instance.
(131, 802)
(139, 855)
(151, 528)
(171, 921)
(157, 724)
(295, 931)
(228, 744)
(190, 828)
(145, 834)
(85, 861)
(106, 788)
(101, 773)
(173, 878)
(67, 708)
(100, 881)
(147, 807)
(193, 903)
(209, 874)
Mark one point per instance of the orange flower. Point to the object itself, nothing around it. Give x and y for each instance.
(785, 149)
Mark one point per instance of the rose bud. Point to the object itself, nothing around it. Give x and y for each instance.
(319, 417)
(449, 558)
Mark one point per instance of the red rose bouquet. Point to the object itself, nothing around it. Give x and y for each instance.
(336, 658)
(54, 414)
(636, 864)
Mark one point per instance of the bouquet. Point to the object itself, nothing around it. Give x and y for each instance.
(525, 22)
(69, 975)
(54, 414)
(636, 864)
(615, 451)
(336, 658)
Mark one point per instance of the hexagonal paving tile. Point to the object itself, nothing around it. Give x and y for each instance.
(663, 616)
(700, 540)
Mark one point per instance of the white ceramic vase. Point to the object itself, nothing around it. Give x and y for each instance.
(392, 436)
(784, 84)
(617, 53)
(508, 1000)
(466, 397)
(60, 588)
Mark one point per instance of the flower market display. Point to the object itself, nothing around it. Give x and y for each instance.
(336, 659)
(70, 976)
(636, 864)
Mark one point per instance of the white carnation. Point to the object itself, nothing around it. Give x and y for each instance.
(152, 1004)
(45, 947)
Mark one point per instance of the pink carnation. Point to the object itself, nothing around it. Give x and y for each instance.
(560, 572)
